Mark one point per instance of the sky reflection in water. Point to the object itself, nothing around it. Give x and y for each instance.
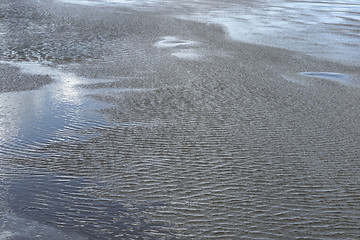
(324, 29)
(40, 116)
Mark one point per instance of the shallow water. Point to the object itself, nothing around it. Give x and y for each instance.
(325, 29)
(159, 128)
(336, 77)
(45, 115)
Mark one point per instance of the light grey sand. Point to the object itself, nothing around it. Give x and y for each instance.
(214, 139)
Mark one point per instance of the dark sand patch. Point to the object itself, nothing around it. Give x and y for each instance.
(12, 80)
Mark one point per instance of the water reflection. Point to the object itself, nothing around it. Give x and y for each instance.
(320, 28)
(19, 110)
(40, 116)
(336, 77)
(65, 89)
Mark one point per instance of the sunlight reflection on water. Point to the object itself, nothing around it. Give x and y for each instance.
(36, 116)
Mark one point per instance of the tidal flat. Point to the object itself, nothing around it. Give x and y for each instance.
(179, 120)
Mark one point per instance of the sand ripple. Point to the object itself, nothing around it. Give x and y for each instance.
(223, 148)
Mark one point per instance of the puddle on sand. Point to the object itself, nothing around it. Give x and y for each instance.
(183, 47)
(336, 77)
(171, 42)
(53, 112)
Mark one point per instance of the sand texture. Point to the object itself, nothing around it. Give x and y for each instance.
(159, 126)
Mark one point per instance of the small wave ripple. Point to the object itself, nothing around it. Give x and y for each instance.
(37, 32)
(215, 149)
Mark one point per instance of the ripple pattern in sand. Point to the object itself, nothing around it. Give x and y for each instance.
(35, 32)
(219, 158)
(212, 150)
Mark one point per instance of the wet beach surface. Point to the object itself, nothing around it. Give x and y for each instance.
(134, 121)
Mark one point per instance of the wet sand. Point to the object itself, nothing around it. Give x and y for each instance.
(207, 138)
(12, 80)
